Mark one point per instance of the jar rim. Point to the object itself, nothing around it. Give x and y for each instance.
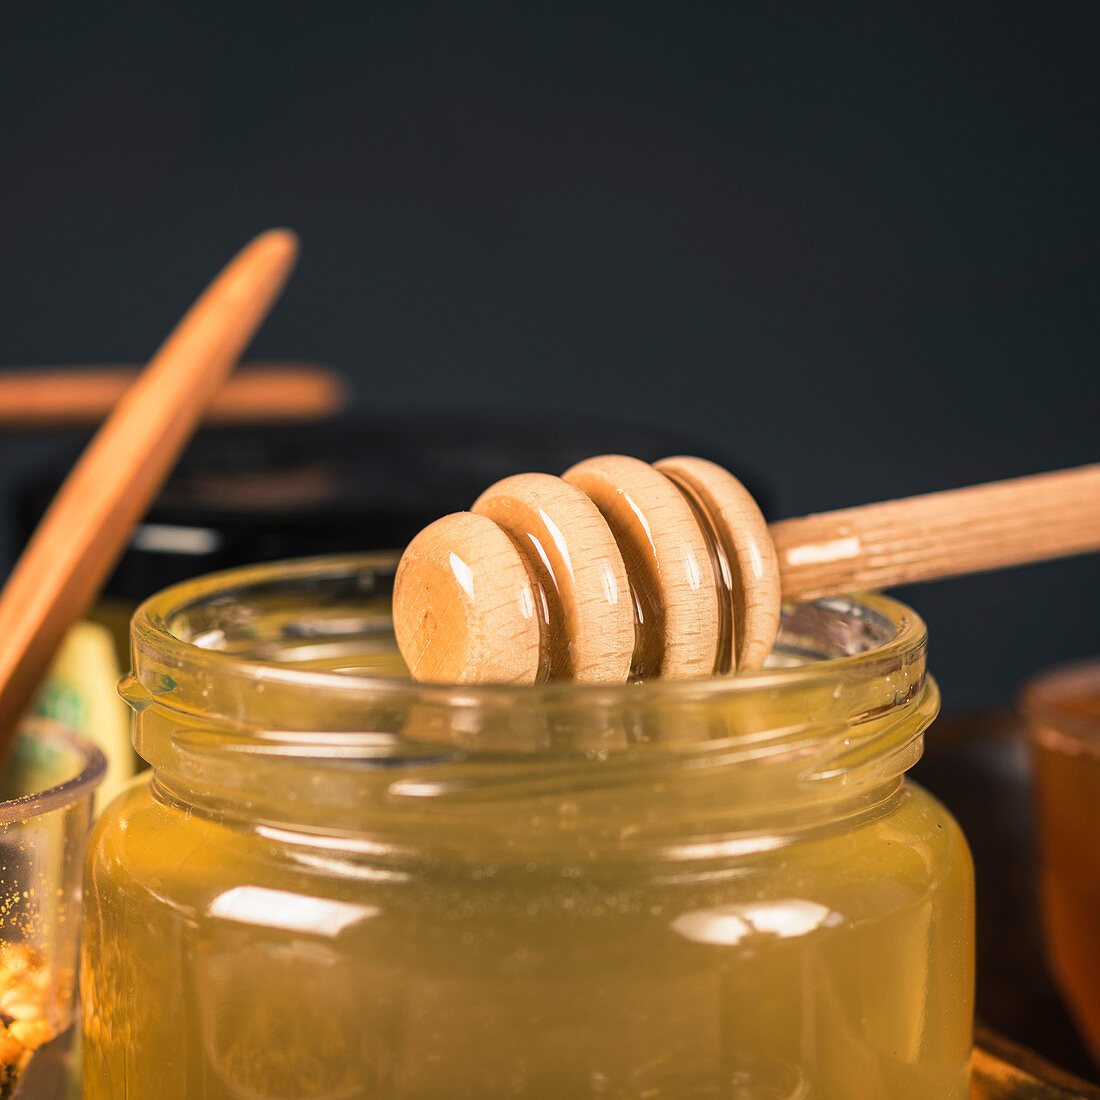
(904, 634)
(88, 759)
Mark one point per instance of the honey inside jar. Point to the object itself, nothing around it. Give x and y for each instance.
(340, 883)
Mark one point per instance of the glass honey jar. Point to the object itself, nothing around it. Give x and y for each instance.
(340, 883)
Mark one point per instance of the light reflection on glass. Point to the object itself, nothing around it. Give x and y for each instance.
(730, 924)
(259, 906)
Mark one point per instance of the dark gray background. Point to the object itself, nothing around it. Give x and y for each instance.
(856, 244)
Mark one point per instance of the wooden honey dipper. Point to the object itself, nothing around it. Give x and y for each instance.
(621, 569)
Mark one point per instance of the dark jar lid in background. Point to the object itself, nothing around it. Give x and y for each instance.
(363, 482)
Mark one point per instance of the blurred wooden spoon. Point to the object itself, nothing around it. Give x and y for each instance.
(53, 397)
(90, 520)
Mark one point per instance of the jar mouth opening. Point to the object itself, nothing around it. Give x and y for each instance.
(212, 623)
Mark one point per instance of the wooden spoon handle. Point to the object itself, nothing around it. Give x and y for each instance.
(33, 397)
(944, 534)
(87, 525)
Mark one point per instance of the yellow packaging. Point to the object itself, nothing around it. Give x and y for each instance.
(81, 693)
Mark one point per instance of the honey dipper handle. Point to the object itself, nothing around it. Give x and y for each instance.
(940, 535)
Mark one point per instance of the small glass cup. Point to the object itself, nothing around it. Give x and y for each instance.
(1062, 707)
(47, 789)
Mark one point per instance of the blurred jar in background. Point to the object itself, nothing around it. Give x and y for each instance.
(1063, 712)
